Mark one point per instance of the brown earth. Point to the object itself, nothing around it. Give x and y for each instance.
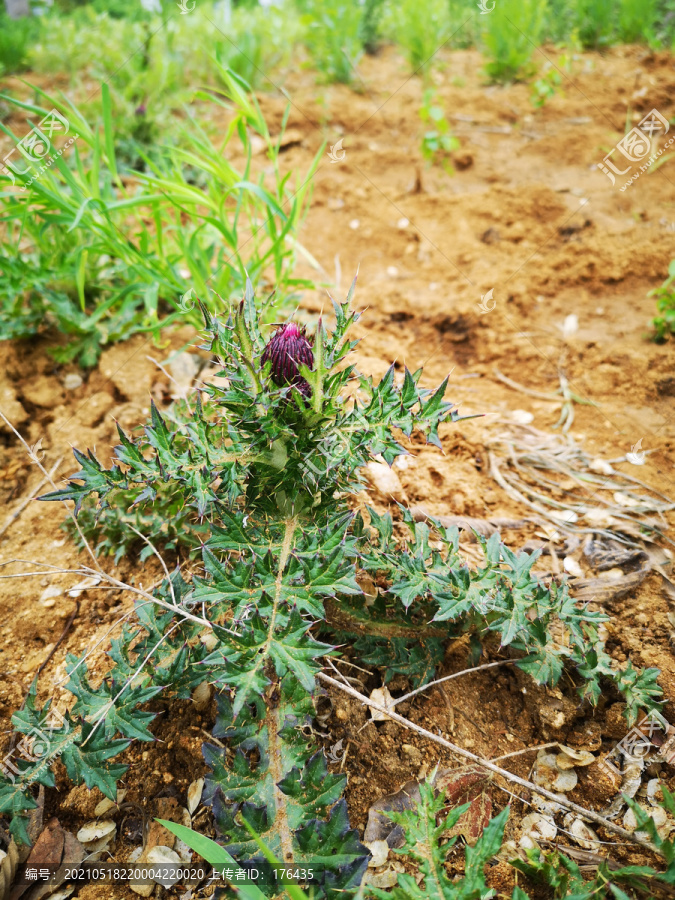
(528, 216)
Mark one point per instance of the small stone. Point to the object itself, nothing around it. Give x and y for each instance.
(354, 224)
(94, 831)
(47, 596)
(194, 795)
(403, 223)
(385, 481)
(599, 517)
(584, 836)
(537, 827)
(413, 754)
(382, 880)
(570, 326)
(201, 696)
(72, 381)
(383, 698)
(163, 857)
(209, 640)
(626, 501)
(567, 516)
(566, 781)
(572, 567)
(570, 757)
(11, 407)
(81, 586)
(392, 271)
(104, 806)
(601, 467)
(380, 852)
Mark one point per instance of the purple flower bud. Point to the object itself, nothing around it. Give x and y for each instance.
(286, 351)
(140, 110)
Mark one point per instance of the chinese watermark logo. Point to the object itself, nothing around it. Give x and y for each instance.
(34, 746)
(36, 453)
(639, 741)
(337, 153)
(484, 305)
(637, 455)
(185, 7)
(187, 301)
(334, 754)
(484, 8)
(332, 449)
(635, 146)
(37, 147)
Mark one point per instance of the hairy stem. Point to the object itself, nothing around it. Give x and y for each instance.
(277, 773)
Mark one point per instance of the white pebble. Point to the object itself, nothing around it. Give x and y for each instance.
(572, 567)
(72, 381)
(570, 325)
(52, 591)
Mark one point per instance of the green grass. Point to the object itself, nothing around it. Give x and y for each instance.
(637, 20)
(331, 34)
(594, 22)
(104, 252)
(420, 37)
(16, 36)
(664, 322)
(513, 31)
(162, 55)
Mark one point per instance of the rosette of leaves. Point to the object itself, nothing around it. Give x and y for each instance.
(268, 462)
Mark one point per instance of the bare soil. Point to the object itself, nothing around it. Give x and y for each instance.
(526, 215)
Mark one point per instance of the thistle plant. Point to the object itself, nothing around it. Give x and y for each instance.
(268, 462)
